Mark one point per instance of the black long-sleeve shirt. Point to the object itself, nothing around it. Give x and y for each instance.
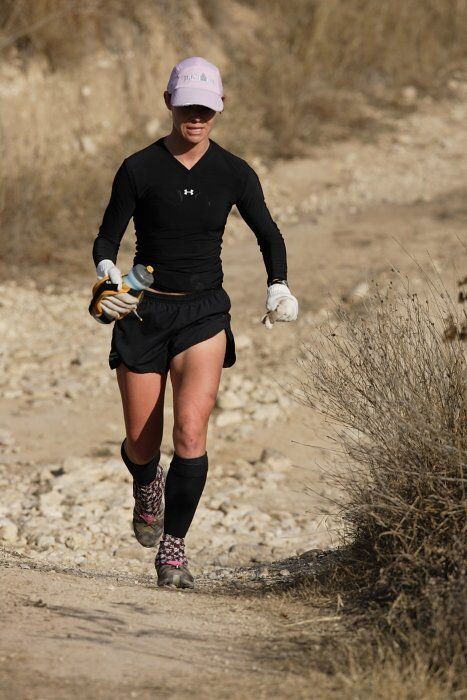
(180, 216)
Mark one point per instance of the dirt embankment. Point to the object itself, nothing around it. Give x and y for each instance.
(81, 88)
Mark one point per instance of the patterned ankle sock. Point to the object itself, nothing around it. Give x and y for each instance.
(148, 497)
(171, 549)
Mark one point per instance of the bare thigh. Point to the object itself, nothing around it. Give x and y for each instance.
(143, 411)
(195, 375)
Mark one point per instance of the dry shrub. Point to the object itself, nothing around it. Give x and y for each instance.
(398, 390)
(63, 31)
(399, 42)
(325, 64)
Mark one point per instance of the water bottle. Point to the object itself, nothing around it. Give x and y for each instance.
(139, 278)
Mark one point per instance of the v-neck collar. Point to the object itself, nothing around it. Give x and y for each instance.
(198, 162)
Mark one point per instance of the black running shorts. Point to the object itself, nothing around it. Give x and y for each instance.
(171, 323)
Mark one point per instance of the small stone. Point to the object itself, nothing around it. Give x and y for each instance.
(230, 400)
(153, 127)
(243, 342)
(12, 394)
(228, 418)
(458, 114)
(88, 145)
(244, 429)
(6, 438)
(49, 504)
(264, 395)
(409, 94)
(275, 459)
(267, 413)
(8, 531)
(45, 541)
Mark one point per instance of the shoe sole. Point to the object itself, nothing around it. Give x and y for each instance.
(176, 583)
(174, 578)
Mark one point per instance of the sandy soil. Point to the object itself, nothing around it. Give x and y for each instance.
(82, 623)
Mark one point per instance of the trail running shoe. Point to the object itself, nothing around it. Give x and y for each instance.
(171, 563)
(148, 513)
(175, 574)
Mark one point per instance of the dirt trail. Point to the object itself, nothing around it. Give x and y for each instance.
(76, 635)
(348, 214)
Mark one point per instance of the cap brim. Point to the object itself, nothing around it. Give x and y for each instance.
(181, 97)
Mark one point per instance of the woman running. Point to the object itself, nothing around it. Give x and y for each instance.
(179, 191)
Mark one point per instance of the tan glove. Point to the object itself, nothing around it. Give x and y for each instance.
(107, 306)
(117, 306)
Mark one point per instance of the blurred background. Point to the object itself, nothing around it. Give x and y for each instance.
(81, 86)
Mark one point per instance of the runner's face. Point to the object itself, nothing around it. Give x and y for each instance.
(193, 122)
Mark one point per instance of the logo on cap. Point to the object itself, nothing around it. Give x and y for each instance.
(196, 76)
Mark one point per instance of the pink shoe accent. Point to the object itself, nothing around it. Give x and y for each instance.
(147, 518)
(174, 562)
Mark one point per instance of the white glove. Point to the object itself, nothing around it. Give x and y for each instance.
(119, 305)
(116, 305)
(108, 267)
(281, 305)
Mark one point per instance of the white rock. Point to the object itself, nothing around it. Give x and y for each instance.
(236, 381)
(271, 477)
(264, 395)
(228, 418)
(230, 400)
(12, 394)
(45, 541)
(8, 531)
(49, 504)
(244, 429)
(242, 341)
(409, 94)
(88, 145)
(153, 127)
(275, 459)
(268, 412)
(6, 438)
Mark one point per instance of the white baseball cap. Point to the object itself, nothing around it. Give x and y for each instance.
(195, 81)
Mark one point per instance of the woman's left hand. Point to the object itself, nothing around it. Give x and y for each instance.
(280, 304)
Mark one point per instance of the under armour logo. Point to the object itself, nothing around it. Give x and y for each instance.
(188, 191)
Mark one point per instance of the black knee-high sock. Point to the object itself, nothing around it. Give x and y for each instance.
(143, 474)
(183, 488)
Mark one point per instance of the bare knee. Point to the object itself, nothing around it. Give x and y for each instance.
(189, 438)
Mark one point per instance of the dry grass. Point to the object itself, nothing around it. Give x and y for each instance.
(398, 391)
